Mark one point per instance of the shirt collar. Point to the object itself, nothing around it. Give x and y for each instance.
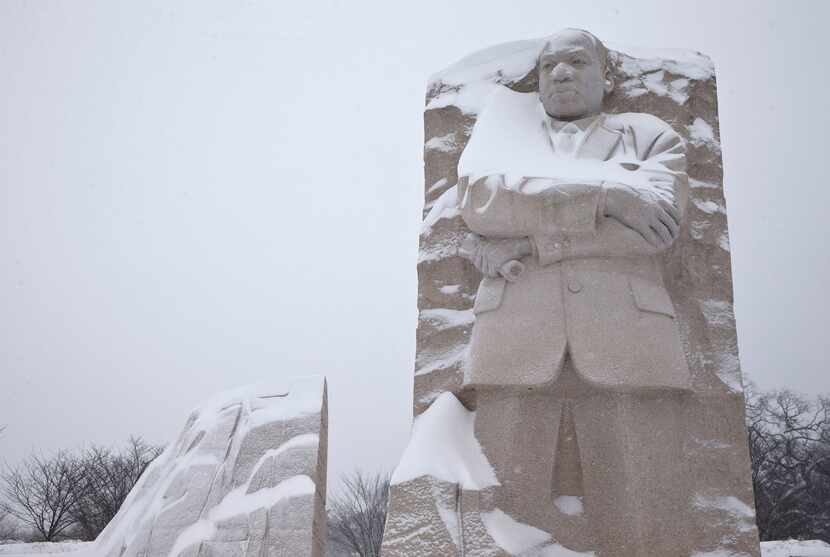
(555, 126)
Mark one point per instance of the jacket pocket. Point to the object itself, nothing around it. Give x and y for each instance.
(652, 297)
(489, 295)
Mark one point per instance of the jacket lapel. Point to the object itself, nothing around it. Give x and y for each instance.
(599, 142)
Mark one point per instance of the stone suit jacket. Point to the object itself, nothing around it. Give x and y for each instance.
(593, 287)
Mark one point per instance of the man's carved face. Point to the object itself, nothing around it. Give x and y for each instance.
(572, 76)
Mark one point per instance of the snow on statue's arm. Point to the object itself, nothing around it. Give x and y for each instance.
(637, 216)
(632, 206)
(497, 192)
(493, 206)
(628, 176)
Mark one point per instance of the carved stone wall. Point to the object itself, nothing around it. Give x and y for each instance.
(680, 88)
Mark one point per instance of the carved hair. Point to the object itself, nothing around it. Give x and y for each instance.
(599, 48)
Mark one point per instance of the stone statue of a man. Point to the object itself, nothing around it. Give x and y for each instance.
(575, 358)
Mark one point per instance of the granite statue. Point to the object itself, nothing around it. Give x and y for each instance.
(582, 342)
(588, 410)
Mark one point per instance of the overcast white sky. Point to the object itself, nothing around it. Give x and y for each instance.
(197, 195)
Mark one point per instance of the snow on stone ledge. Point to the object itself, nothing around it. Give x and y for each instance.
(444, 446)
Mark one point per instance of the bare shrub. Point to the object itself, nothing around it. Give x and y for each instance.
(41, 493)
(356, 515)
(106, 478)
(73, 495)
(8, 531)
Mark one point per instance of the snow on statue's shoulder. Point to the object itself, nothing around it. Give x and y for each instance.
(249, 460)
(510, 139)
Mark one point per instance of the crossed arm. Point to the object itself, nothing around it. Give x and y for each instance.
(576, 220)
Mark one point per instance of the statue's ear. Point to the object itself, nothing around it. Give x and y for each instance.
(609, 82)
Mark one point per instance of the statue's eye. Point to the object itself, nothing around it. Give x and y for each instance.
(578, 62)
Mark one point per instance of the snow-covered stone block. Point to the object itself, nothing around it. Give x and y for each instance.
(246, 477)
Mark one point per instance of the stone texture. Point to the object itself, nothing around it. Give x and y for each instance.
(247, 476)
(706, 447)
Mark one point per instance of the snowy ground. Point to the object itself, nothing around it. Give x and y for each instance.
(795, 549)
(76, 549)
(43, 548)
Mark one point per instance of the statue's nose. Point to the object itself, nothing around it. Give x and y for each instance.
(561, 73)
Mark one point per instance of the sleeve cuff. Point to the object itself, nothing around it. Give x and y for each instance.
(577, 211)
(548, 249)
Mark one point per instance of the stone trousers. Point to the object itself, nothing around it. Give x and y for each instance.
(599, 470)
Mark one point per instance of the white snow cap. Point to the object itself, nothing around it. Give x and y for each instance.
(444, 446)
(467, 83)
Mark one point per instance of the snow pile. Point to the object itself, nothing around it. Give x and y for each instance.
(445, 143)
(654, 70)
(795, 548)
(569, 505)
(427, 362)
(702, 134)
(444, 446)
(445, 207)
(727, 504)
(708, 206)
(443, 318)
(634, 60)
(517, 538)
(468, 82)
(511, 535)
(240, 502)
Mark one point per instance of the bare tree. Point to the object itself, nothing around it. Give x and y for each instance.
(75, 495)
(107, 477)
(40, 493)
(789, 439)
(357, 514)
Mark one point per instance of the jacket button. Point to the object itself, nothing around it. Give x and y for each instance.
(574, 286)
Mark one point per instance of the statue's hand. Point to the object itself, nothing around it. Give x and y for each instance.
(490, 255)
(657, 220)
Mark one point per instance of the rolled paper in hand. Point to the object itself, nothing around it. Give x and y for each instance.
(469, 246)
(512, 270)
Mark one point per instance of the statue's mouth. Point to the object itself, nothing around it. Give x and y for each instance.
(565, 93)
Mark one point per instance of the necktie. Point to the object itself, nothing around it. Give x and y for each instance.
(566, 139)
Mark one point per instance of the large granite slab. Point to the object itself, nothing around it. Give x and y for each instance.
(246, 477)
